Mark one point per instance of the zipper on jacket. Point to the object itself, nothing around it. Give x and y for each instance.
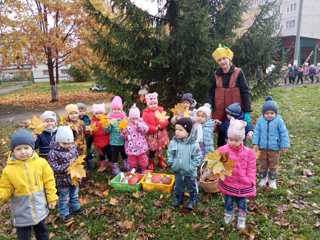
(32, 203)
(268, 135)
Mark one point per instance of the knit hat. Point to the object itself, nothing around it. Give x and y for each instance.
(206, 108)
(269, 105)
(234, 110)
(152, 98)
(221, 52)
(98, 108)
(81, 106)
(48, 115)
(237, 129)
(186, 123)
(116, 102)
(134, 112)
(64, 135)
(22, 137)
(187, 97)
(71, 108)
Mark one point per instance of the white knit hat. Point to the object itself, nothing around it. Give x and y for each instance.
(206, 108)
(48, 115)
(98, 108)
(134, 112)
(237, 129)
(64, 135)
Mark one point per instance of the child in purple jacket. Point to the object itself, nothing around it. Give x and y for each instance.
(242, 183)
(136, 145)
(60, 156)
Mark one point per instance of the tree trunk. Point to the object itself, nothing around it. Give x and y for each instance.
(57, 69)
(54, 90)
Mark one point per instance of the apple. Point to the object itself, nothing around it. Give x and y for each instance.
(156, 178)
(166, 179)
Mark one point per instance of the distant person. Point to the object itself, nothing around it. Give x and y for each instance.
(300, 75)
(306, 71)
(291, 74)
(312, 73)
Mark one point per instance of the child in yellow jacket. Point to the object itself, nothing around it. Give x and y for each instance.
(28, 181)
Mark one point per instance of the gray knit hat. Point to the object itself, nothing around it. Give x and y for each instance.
(22, 137)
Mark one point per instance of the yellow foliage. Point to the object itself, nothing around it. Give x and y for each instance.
(161, 116)
(36, 125)
(123, 124)
(76, 170)
(219, 164)
(103, 120)
(180, 110)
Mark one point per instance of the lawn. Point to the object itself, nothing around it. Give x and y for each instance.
(290, 212)
(36, 97)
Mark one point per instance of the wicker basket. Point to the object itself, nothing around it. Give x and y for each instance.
(208, 186)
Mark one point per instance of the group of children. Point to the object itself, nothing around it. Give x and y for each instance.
(32, 181)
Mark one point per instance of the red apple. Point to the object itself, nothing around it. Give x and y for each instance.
(156, 178)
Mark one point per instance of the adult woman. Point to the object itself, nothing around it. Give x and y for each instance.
(229, 85)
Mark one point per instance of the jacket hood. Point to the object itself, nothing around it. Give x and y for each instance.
(12, 160)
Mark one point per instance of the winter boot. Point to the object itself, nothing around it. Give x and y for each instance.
(263, 182)
(115, 169)
(241, 224)
(273, 184)
(228, 218)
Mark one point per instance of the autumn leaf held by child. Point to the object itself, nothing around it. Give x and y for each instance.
(76, 170)
(123, 124)
(103, 120)
(36, 125)
(180, 110)
(161, 116)
(219, 164)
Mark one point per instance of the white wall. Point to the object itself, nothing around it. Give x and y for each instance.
(41, 74)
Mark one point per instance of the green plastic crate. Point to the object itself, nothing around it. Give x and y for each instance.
(124, 187)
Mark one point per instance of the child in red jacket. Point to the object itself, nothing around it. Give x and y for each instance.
(242, 183)
(157, 136)
(100, 136)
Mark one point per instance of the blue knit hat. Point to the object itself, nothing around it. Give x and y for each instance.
(234, 110)
(269, 105)
(22, 137)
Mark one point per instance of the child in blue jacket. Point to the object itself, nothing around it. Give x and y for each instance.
(184, 157)
(270, 137)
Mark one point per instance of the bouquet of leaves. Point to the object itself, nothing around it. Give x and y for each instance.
(123, 124)
(103, 120)
(217, 166)
(76, 170)
(180, 110)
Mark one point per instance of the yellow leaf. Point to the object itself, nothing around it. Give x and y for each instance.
(123, 124)
(219, 164)
(76, 170)
(180, 110)
(161, 116)
(114, 201)
(36, 125)
(103, 119)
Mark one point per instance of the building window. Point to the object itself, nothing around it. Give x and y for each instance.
(45, 72)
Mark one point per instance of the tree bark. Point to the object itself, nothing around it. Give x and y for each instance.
(54, 90)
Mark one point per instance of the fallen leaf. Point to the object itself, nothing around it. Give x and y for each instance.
(157, 203)
(307, 173)
(195, 226)
(114, 201)
(126, 224)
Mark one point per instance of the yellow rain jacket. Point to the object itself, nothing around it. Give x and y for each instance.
(31, 186)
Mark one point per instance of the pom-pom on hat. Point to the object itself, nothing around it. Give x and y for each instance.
(98, 108)
(134, 112)
(237, 129)
(221, 52)
(186, 123)
(152, 98)
(269, 105)
(116, 103)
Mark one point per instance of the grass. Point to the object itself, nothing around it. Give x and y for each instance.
(290, 212)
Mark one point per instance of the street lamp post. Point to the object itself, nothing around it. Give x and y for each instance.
(297, 43)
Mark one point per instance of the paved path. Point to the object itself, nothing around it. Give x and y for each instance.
(10, 89)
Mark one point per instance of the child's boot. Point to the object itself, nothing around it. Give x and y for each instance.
(273, 180)
(228, 217)
(161, 162)
(102, 166)
(264, 179)
(115, 169)
(241, 224)
(177, 200)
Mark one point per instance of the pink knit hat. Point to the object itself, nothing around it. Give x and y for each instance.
(98, 108)
(237, 129)
(116, 102)
(152, 98)
(134, 112)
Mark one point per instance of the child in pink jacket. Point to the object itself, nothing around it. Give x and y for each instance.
(136, 145)
(242, 183)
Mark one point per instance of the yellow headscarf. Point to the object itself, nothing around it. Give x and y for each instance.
(222, 52)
